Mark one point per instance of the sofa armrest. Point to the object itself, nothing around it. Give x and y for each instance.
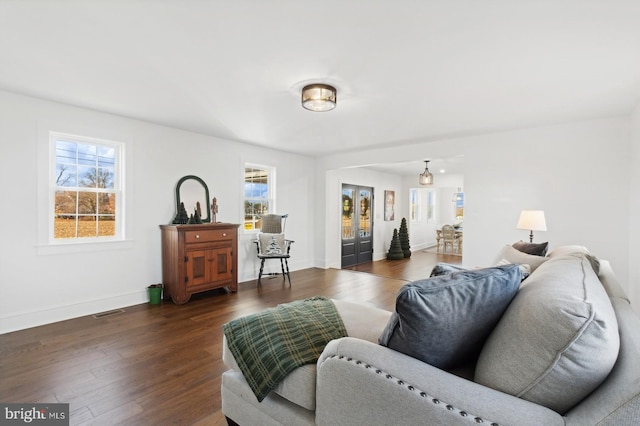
(359, 382)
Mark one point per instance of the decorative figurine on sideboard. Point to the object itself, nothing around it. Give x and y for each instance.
(182, 217)
(195, 217)
(214, 210)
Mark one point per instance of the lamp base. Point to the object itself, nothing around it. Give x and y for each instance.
(530, 236)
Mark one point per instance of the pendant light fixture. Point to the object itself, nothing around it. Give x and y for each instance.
(319, 97)
(426, 178)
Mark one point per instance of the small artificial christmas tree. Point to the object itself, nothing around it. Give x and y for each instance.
(196, 216)
(404, 238)
(395, 250)
(181, 217)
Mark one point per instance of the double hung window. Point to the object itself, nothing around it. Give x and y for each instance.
(86, 189)
(259, 182)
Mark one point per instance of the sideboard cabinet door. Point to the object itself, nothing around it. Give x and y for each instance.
(223, 264)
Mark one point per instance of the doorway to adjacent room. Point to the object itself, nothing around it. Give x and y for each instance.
(356, 224)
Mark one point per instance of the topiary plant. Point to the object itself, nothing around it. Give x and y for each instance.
(395, 250)
(404, 238)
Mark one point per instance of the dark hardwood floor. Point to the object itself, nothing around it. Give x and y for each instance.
(161, 364)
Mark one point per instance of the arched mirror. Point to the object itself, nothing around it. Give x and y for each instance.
(192, 191)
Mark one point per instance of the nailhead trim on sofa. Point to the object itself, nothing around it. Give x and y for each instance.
(411, 388)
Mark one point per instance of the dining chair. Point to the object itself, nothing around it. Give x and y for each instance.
(449, 238)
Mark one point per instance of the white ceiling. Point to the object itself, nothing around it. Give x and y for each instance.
(405, 71)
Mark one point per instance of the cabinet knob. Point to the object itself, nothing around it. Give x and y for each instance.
(197, 236)
(224, 234)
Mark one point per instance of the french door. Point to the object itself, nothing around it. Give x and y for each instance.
(356, 224)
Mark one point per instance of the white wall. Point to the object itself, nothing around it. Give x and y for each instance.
(39, 285)
(585, 175)
(578, 173)
(634, 210)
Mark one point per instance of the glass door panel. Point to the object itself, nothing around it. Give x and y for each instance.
(348, 223)
(365, 213)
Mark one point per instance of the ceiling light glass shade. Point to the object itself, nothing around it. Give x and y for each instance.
(426, 178)
(319, 97)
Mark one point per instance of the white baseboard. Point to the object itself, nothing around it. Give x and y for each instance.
(60, 313)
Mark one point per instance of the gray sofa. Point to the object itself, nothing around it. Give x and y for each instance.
(528, 371)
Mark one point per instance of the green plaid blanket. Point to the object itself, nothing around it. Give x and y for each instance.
(270, 344)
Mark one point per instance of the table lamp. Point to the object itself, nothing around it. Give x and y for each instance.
(533, 220)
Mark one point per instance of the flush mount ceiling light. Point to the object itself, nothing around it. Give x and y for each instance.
(319, 97)
(426, 178)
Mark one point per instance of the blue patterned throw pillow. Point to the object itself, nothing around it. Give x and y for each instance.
(445, 320)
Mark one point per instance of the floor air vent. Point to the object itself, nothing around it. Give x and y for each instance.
(108, 313)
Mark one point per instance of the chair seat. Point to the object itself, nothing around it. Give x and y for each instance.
(274, 256)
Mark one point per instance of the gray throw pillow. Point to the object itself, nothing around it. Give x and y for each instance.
(557, 341)
(272, 244)
(567, 250)
(513, 255)
(536, 249)
(445, 320)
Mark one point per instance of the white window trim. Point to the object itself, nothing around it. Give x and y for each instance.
(118, 188)
(416, 203)
(271, 190)
(43, 244)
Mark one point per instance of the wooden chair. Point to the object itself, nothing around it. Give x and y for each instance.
(449, 238)
(272, 244)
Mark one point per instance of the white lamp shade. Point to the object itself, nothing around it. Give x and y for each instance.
(532, 220)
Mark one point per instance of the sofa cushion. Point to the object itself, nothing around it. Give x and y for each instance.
(536, 249)
(576, 249)
(617, 400)
(444, 320)
(557, 341)
(361, 320)
(567, 250)
(513, 255)
(525, 269)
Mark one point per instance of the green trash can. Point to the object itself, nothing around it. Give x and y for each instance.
(155, 294)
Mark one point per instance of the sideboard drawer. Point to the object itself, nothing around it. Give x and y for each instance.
(207, 235)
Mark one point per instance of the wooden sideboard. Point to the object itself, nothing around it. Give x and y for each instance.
(198, 258)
